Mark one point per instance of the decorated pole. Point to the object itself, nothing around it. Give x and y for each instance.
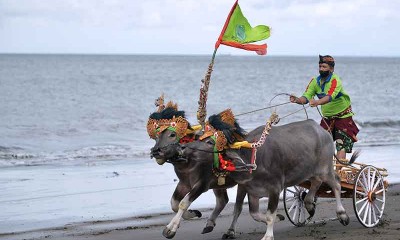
(237, 33)
(205, 82)
(202, 111)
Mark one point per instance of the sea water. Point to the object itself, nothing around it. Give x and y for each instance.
(73, 140)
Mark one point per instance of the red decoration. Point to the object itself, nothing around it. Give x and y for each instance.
(225, 164)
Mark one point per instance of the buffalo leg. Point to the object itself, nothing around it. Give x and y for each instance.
(195, 192)
(221, 200)
(309, 201)
(180, 191)
(273, 201)
(271, 215)
(240, 195)
(334, 183)
(254, 208)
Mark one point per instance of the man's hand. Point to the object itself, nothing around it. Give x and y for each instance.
(322, 101)
(293, 98)
(313, 103)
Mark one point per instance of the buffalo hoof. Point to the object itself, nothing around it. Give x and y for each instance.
(280, 217)
(311, 212)
(207, 229)
(344, 218)
(267, 238)
(197, 213)
(168, 233)
(229, 235)
(310, 208)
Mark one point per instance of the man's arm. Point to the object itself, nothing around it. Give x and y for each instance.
(308, 94)
(313, 103)
(322, 101)
(299, 100)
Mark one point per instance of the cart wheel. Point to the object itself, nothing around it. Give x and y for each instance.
(293, 202)
(369, 196)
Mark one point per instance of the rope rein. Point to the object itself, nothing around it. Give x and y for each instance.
(304, 107)
(277, 105)
(274, 119)
(201, 150)
(260, 109)
(267, 128)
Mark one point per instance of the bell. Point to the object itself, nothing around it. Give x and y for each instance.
(221, 180)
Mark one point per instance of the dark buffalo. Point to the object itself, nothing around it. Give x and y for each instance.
(292, 154)
(164, 150)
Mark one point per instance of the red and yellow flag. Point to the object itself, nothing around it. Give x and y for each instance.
(238, 33)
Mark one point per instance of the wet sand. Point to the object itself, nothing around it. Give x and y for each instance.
(323, 225)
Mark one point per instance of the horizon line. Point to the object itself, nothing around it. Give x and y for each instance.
(189, 54)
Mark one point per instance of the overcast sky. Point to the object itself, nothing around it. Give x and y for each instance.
(308, 27)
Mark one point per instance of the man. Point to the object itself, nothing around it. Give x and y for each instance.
(335, 104)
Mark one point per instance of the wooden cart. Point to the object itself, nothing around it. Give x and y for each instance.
(366, 184)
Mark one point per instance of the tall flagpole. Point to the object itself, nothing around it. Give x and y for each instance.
(202, 111)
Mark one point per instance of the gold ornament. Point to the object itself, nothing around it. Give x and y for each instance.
(220, 139)
(158, 126)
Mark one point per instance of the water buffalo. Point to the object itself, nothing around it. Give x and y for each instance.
(167, 140)
(292, 154)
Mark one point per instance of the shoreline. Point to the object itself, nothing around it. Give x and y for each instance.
(124, 197)
(150, 226)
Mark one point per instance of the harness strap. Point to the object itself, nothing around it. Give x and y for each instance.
(253, 157)
(216, 158)
(159, 130)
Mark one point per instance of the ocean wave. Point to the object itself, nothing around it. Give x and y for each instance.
(21, 157)
(380, 123)
(9, 149)
(376, 144)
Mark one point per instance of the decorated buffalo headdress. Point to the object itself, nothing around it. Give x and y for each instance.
(224, 129)
(167, 117)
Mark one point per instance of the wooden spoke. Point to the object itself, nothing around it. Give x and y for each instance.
(294, 205)
(369, 196)
(362, 200)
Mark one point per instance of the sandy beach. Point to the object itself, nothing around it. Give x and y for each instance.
(323, 226)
